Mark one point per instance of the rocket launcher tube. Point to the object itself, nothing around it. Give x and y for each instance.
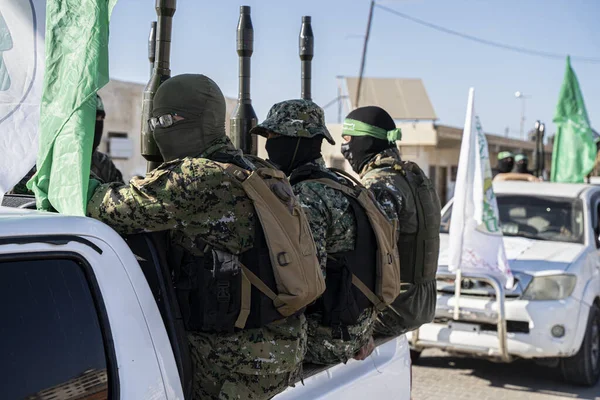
(306, 50)
(165, 9)
(243, 117)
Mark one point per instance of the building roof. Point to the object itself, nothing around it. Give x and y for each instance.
(404, 99)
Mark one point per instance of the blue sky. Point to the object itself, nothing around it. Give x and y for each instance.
(204, 42)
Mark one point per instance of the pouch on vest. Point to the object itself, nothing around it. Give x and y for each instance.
(387, 283)
(298, 277)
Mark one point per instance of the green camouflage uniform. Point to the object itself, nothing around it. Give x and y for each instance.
(334, 229)
(198, 203)
(104, 168)
(331, 221)
(387, 186)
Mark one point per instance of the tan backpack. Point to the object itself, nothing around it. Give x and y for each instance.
(388, 262)
(291, 246)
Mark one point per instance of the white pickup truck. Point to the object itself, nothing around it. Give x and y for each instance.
(551, 235)
(89, 314)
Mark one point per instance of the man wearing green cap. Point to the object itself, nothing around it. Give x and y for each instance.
(522, 164)
(406, 195)
(212, 224)
(295, 130)
(506, 163)
(101, 165)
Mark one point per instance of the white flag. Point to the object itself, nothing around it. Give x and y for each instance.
(476, 241)
(22, 60)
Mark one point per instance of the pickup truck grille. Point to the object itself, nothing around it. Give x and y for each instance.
(476, 288)
(511, 326)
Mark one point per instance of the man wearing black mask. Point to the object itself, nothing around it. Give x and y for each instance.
(102, 165)
(406, 195)
(295, 130)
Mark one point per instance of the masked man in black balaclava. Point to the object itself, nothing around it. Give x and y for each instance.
(407, 196)
(522, 164)
(102, 165)
(295, 130)
(211, 221)
(506, 163)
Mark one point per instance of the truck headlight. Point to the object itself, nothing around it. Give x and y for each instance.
(551, 287)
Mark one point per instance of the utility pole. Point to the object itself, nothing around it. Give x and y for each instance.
(364, 53)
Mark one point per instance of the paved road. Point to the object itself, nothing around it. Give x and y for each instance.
(440, 376)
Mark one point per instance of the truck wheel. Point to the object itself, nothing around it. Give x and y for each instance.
(415, 356)
(584, 367)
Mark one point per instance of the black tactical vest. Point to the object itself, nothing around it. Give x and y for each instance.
(418, 250)
(208, 287)
(343, 303)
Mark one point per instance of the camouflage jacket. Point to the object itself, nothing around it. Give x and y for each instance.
(104, 168)
(199, 204)
(329, 214)
(391, 190)
(333, 226)
(193, 198)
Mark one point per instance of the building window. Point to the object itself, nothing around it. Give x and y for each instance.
(51, 341)
(119, 146)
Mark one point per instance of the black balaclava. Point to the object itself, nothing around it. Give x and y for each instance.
(506, 165)
(362, 149)
(99, 123)
(288, 153)
(98, 134)
(522, 166)
(197, 99)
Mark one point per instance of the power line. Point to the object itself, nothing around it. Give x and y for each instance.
(517, 49)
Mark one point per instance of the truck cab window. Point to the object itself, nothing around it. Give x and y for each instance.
(51, 344)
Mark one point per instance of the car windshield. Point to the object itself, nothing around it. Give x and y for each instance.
(535, 217)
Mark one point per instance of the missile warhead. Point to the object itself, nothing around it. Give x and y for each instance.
(243, 118)
(306, 51)
(165, 9)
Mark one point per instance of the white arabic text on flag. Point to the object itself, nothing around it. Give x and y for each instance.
(476, 241)
(22, 31)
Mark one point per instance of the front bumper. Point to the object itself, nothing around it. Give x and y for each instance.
(529, 327)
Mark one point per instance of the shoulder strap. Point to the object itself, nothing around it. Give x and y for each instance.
(292, 252)
(388, 264)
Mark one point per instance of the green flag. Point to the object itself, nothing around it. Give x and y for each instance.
(76, 67)
(574, 153)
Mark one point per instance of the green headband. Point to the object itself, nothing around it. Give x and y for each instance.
(520, 157)
(356, 128)
(504, 154)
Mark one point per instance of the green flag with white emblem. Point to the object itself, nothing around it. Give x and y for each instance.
(574, 153)
(76, 67)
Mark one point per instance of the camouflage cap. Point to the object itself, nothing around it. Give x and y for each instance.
(295, 118)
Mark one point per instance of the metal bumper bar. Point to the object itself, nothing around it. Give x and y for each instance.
(502, 352)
